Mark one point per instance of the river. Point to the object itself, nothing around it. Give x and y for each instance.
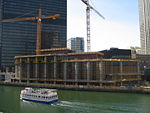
(76, 102)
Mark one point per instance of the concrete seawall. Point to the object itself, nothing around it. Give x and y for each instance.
(143, 90)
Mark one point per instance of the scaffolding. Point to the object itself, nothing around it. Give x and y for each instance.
(57, 69)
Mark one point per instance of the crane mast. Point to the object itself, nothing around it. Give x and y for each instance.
(88, 26)
(88, 8)
(39, 32)
(39, 26)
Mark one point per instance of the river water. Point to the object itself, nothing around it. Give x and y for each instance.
(76, 102)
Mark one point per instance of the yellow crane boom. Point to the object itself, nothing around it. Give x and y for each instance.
(39, 25)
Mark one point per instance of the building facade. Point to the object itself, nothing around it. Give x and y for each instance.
(144, 66)
(144, 8)
(86, 68)
(19, 38)
(115, 53)
(76, 44)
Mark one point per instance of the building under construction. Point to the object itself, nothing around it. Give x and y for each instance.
(64, 66)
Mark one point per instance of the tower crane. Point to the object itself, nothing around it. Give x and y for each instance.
(88, 8)
(39, 25)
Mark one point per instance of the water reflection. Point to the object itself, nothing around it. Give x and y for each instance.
(75, 102)
(77, 107)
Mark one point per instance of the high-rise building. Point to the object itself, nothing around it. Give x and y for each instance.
(144, 9)
(19, 38)
(76, 44)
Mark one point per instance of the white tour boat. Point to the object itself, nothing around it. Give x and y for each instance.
(39, 95)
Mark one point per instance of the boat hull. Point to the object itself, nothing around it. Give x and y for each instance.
(40, 101)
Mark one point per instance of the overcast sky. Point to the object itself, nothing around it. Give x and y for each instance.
(119, 29)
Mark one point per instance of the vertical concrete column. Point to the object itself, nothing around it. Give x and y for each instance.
(111, 67)
(138, 70)
(121, 68)
(88, 70)
(55, 66)
(65, 71)
(100, 71)
(16, 70)
(76, 72)
(45, 67)
(28, 69)
(36, 68)
(138, 67)
(121, 71)
(20, 70)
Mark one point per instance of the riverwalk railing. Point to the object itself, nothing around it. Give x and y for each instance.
(141, 89)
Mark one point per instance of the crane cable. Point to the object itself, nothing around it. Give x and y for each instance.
(92, 4)
(25, 14)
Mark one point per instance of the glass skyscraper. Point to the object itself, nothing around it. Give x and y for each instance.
(144, 11)
(19, 38)
(76, 44)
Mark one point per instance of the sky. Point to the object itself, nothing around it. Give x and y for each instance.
(119, 29)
